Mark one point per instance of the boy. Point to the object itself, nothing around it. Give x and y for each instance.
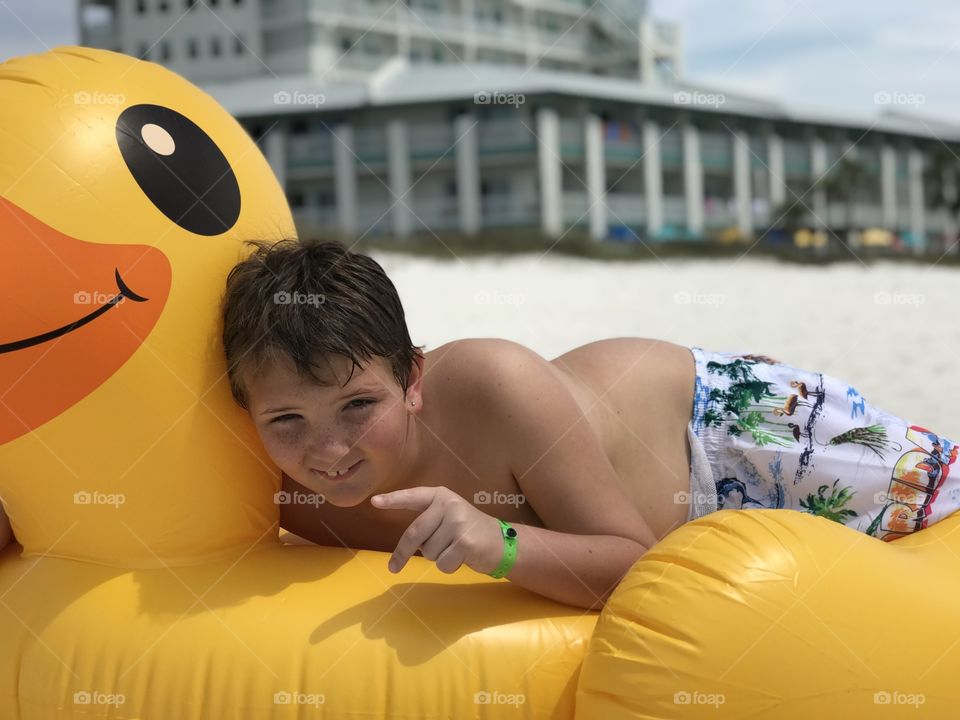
(557, 475)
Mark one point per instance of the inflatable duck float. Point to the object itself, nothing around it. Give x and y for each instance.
(149, 580)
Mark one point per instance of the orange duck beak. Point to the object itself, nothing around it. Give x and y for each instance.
(79, 311)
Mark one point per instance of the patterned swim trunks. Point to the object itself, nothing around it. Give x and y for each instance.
(778, 437)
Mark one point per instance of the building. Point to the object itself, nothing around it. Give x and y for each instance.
(400, 140)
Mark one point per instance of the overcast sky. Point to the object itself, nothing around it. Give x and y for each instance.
(832, 55)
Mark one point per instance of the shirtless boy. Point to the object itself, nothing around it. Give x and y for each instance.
(558, 475)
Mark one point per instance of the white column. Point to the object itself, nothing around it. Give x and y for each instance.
(888, 186)
(469, 31)
(818, 168)
(915, 178)
(645, 49)
(652, 177)
(345, 179)
(596, 176)
(741, 181)
(468, 172)
(398, 175)
(275, 150)
(778, 171)
(693, 178)
(551, 189)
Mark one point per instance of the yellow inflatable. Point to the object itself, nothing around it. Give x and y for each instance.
(778, 614)
(151, 582)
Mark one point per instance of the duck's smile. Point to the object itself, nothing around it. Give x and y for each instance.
(51, 351)
(124, 293)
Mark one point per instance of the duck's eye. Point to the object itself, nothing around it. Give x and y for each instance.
(179, 168)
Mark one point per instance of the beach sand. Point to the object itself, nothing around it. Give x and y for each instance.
(890, 330)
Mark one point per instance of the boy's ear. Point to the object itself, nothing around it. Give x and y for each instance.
(415, 384)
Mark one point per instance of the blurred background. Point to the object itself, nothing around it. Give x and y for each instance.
(767, 176)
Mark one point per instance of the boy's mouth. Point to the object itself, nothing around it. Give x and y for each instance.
(340, 476)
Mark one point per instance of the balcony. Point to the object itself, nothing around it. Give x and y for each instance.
(506, 210)
(503, 137)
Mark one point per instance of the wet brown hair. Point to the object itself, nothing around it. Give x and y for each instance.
(308, 300)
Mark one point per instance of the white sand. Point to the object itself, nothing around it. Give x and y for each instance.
(890, 330)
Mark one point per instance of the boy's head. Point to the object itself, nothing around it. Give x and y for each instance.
(318, 352)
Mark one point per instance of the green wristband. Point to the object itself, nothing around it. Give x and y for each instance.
(509, 550)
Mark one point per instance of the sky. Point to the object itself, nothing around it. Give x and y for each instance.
(829, 55)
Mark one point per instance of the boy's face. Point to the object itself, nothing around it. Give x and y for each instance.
(309, 429)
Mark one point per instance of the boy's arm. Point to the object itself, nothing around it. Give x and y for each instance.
(594, 532)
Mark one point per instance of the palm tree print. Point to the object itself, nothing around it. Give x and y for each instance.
(832, 506)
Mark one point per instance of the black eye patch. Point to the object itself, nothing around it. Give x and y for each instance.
(179, 168)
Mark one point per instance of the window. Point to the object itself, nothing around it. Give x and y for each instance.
(215, 46)
(238, 45)
(141, 7)
(238, 3)
(299, 127)
(193, 48)
(296, 199)
(144, 52)
(164, 50)
(346, 43)
(438, 54)
(164, 6)
(190, 4)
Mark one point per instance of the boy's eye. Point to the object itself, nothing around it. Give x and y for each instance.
(284, 418)
(363, 403)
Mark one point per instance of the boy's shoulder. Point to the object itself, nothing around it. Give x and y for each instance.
(472, 368)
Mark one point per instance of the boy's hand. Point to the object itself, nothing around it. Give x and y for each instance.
(449, 530)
